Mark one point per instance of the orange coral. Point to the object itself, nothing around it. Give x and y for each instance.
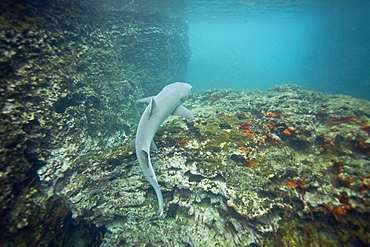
(338, 210)
(365, 184)
(304, 140)
(325, 143)
(271, 114)
(290, 132)
(292, 183)
(245, 127)
(272, 126)
(275, 142)
(363, 147)
(260, 141)
(341, 209)
(271, 140)
(248, 163)
(244, 150)
(366, 128)
(245, 160)
(341, 120)
(183, 142)
(337, 166)
(346, 181)
(231, 206)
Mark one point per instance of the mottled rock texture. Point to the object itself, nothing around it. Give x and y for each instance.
(70, 75)
(286, 167)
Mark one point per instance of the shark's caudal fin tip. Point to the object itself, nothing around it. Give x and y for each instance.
(160, 212)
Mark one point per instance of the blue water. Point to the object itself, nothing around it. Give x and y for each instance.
(321, 45)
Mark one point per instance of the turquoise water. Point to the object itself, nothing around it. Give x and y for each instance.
(321, 45)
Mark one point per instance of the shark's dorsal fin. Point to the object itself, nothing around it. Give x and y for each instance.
(150, 109)
(183, 111)
(151, 106)
(146, 100)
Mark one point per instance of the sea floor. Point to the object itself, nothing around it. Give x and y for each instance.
(283, 167)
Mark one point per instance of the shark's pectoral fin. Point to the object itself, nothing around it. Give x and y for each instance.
(183, 111)
(132, 143)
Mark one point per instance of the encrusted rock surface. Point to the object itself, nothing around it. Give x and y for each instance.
(70, 75)
(284, 167)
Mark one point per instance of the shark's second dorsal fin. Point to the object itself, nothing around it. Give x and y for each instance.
(153, 147)
(145, 156)
(183, 111)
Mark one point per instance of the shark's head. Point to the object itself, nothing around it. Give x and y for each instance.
(181, 89)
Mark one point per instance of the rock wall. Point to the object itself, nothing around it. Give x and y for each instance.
(70, 75)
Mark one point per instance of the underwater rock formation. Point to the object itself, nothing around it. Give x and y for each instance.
(285, 167)
(70, 76)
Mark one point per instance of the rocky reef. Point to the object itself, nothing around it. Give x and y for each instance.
(283, 167)
(70, 75)
(286, 167)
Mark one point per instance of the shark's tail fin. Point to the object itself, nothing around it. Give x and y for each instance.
(147, 168)
(154, 183)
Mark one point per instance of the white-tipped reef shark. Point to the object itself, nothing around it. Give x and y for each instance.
(168, 101)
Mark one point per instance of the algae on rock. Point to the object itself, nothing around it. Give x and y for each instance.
(239, 173)
(71, 73)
